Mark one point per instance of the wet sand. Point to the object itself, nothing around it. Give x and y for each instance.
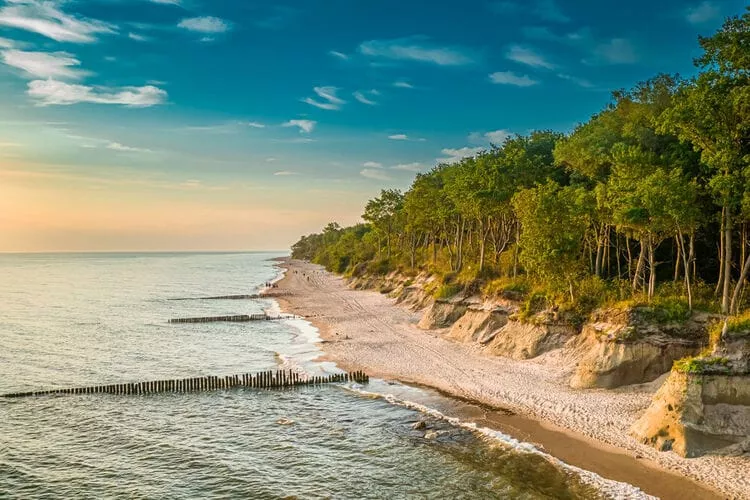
(529, 400)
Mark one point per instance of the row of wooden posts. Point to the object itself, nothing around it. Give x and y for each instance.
(241, 318)
(263, 380)
(264, 295)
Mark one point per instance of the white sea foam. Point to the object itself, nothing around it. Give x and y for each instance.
(612, 489)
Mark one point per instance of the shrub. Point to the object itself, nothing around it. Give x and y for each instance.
(447, 291)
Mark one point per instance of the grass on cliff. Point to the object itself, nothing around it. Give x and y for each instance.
(700, 365)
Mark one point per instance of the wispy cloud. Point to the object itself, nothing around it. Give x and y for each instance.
(581, 82)
(403, 85)
(404, 137)
(510, 78)
(416, 49)
(550, 11)
(330, 101)
(167, 2)
(455, 155)
(207, 24)
(527, 56)
(615, 51)
(409, 167)
(338, 55)
(372, 164)
(116, 146)
(45, 18)
(305, 126)
(6, 44)
(496, 137)
(44, 64)
(376, 174)
(54, 92)
(362, 96)
(224, 128)
(283, 173)
(139, 38)
(702, 13)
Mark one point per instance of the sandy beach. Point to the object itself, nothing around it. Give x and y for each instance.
(585, 428)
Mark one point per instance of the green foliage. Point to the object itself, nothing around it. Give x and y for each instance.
(447, 291)
(665, 310)
(611, 214)
(701, 365)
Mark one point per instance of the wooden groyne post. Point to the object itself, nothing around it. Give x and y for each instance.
(262, 380)
(239, 318)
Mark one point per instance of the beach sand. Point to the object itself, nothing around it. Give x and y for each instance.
(529, 400)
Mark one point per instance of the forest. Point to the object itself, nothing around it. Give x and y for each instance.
(648, 202)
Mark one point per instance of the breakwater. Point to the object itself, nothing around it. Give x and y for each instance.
(262, 380)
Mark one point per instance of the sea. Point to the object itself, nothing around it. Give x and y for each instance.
(70, 320)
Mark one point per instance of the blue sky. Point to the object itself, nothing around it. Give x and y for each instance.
(196, 124)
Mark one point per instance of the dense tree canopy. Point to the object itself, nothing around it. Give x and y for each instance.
(651, 193)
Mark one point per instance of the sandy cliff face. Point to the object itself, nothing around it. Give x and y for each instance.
(694, 414)
(623, 348)
(704, 406)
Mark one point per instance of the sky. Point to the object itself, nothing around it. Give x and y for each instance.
(243, 124)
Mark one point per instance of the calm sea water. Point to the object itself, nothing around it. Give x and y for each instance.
(83, 319)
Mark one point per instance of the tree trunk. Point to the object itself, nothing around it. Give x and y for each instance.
(617, 252)
(691, 256)
(652, 268)
(515, 251)
(720, 281)
(639, 267)
(686, 264)
(725, 298)
(677, 260)
(630, 257)
(738, 287)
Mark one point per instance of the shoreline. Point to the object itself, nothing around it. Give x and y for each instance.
(525, 399)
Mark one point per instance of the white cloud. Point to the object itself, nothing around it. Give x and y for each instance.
(116, 146)
(138, 38)
(510, 78)
(167, 2)
(224, 128)
(416, 49)
(409, 167)
(54, 92)
(330, 101)
(702, 13)
(527, 56)
(549, 11)
(305, 126)
(207, 24)
(5, 43)
(616, 51)
(497, 137)
(581, 82)
(339, 55)
(271, 159)
(403, 85)
(361, 97)
(44, 64)
(46, 19)
(456, 155)
(399, 137)
(284, 173)
(375, 174)
(372, 164)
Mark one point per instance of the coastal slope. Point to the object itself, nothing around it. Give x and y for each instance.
(366, 330)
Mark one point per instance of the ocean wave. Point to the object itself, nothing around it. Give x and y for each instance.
(615, 490)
